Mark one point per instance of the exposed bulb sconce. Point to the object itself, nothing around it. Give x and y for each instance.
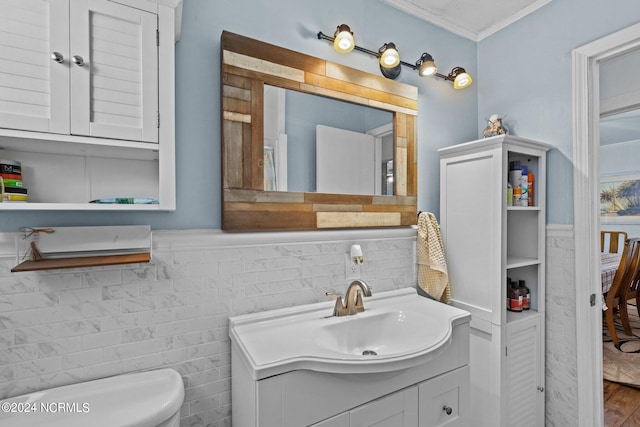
(389, 61)
(389, 58)
(356, 254)
(460, 78)
(343, 39)
(389, 55)
(426, 65)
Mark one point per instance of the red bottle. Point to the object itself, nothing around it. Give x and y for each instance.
(526, 295)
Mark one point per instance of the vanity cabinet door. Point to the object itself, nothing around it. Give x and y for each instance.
(444, 400)
(399, 409)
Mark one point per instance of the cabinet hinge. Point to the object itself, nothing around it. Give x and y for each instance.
(506, 351)
(157, 119)
(157, 37)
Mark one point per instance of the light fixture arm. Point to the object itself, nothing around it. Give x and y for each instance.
(450, 77)
(322, 36)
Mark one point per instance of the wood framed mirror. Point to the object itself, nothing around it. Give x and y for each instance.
(247, 66)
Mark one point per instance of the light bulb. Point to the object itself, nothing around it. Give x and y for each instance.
(343, 39)
(390, 57)
(462, 80)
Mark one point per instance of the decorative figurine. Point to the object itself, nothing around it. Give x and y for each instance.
(495, 127)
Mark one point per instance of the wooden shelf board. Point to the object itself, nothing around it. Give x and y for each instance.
(78, 262)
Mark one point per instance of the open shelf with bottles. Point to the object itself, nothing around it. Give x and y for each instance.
(530, 275)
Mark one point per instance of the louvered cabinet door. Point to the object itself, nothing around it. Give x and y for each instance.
(524, 400)
(114, 71)
(34, 65)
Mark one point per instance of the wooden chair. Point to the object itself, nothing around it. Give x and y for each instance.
(630, 291)
(622, 288)
(612, 241)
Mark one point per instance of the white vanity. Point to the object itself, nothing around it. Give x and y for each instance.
(403, 360)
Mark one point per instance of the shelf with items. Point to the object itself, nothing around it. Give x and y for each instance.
(529, 275)
(79, 178)
(82, 140)
(522, 171)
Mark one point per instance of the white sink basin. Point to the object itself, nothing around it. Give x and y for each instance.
(397, 330)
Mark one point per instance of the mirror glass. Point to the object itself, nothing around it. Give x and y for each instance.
(314, 143)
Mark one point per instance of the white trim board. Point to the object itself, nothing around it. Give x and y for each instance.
(586, 143)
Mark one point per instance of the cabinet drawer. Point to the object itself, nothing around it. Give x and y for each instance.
(444, 400)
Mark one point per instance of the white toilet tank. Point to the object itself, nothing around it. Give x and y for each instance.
(145, 399)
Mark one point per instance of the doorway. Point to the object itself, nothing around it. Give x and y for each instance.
(586, 147)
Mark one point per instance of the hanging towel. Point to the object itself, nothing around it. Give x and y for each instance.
(433, 277)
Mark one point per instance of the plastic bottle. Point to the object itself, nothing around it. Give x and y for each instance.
(515, 174)
(526, 295)
(515, 298)
(524, 197)
(509, 195)
(530, 181)
(517, 192)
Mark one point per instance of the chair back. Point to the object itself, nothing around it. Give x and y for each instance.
(614, 291)
(612, 241)
(629, 282)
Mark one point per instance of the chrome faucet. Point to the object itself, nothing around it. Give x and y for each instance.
(352, 300)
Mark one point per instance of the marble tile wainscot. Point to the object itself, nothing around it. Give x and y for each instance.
(67, 326)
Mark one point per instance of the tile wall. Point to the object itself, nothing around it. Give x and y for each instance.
(67, 326)
(561, 379)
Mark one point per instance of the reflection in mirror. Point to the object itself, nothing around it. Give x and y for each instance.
(318, 144)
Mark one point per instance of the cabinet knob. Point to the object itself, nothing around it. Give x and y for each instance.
(78, 60)
(447, 409)
(540, 388)
(57, 57)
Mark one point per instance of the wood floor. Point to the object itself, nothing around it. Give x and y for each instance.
(621, 405)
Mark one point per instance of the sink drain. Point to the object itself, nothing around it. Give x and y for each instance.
(369, 353)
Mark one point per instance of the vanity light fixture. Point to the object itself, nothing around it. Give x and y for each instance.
(389, 55)
(343, 39)
(390, 62)
(460, 78)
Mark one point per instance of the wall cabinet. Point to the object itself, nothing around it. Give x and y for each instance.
(488, 242)
(83, 86)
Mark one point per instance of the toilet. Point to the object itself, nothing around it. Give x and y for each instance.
(144, 399)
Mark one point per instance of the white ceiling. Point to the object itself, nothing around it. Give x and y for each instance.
(472, 19)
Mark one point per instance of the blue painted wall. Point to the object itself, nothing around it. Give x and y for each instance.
(525, 72)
